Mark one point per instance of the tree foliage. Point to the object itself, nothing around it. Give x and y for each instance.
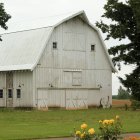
(4, 17)
(123, 94)
(125, 23)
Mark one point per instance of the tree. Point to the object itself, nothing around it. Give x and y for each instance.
(4, 17)
(136, 9)
(123, 94)
(125, 24)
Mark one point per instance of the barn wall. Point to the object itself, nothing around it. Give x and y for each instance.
(20, 80)
(24, 81)
(74, 66)
(3, 87)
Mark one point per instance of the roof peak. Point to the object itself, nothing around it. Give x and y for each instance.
(43, 22)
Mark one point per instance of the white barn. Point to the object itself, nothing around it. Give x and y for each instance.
(63, 64)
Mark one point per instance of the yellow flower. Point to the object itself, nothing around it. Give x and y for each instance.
(78, 133)
(91, 131)
(111, 121)
(117, 117)
(105, 122)
(83, 126)
(82, 135)
(100, 121)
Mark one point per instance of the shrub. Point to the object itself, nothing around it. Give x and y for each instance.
(84, 133)
(126, 107)
(135, 104)
(109, 130)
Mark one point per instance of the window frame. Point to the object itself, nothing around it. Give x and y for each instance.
(10, 97)
(18, 93)
(92, 47)
(1, 95)
(54, 45)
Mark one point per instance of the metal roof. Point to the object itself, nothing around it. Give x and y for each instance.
(21, 50)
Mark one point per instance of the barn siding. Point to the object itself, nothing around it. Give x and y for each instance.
(21, 80)
(56, 67)
(3, 87)
(24, 81)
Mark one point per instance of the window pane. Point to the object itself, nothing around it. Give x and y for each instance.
(92, 47)
(10, 93)
(18, 93)
(54, 45)
(1, 93)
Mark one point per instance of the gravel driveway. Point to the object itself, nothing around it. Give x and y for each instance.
(71, 138)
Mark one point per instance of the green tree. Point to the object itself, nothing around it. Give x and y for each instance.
(136, 9)
(4, 17)
(125, 24)
(123, 94)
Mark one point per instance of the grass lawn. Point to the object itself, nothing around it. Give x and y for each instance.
(38, 124)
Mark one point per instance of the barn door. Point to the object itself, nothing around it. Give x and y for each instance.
(76, 99)
(9, 89)
(42, 98)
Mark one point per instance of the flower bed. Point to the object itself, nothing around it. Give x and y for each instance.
(109, 130)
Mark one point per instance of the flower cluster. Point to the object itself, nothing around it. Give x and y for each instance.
(110, 129)
(107, 122)
(84, 133)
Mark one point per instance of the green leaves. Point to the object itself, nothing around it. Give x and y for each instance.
(4, 17)
(125, 23)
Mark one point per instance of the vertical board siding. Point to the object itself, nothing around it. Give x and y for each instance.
(3, 87)
(50, 98)
(94, 97)
(23, 81)
(76, 99)
(70, 76)
(55, 68)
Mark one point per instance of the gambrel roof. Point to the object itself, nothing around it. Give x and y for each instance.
(22, 50)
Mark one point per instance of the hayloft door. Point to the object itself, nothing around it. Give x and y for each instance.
(9, 89)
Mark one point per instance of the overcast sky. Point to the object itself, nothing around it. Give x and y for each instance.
(25, 11)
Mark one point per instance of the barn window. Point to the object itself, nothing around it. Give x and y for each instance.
(93, 47)
(77, 78)
(1, 93)
(18, 93)
(54, 45)
(10, 93)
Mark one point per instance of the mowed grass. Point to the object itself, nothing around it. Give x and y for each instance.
(59, 123)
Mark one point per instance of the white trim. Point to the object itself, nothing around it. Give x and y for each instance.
(73, 70)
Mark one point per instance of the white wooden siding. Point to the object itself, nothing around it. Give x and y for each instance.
(50, 98)
(23, 81)
(74, 39)
(3, 87)
(63, 75)
(76, 99)
(94, 97)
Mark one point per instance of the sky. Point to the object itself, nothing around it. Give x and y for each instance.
(25, 11)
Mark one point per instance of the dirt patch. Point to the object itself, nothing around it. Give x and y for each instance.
(120, 103)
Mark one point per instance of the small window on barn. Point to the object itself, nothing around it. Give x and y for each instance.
(18, 93)
(10, 93)
(1, 93)
(54, 45)
(93, 47)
